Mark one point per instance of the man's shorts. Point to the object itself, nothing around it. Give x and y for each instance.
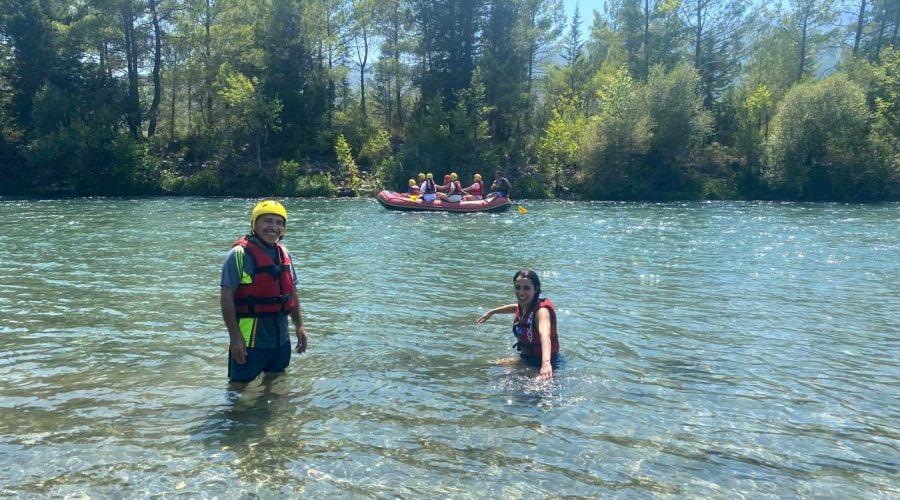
(260, 359)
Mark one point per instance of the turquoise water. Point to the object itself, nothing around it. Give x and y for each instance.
(713, 349)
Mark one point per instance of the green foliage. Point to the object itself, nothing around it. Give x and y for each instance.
(616, 139)
(377, 148)
(679, 124)
(251, 90)
(531, 188)
(286, 177)
(819, 147)
(755, 115)
(390, 175)
(206, 182)
(313, 185)
(347, 165)
(558, 151)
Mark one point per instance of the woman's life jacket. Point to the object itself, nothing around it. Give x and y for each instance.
(428, 187)
(526, 331)
(455, 187)
(476, 188)
(270, 290)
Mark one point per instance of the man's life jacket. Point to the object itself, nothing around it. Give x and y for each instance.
(526, 331)
(270, 290)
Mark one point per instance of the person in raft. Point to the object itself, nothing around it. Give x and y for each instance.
(500, 187)
(428, 188)
(534, 324)
(475, 191)
(442, 188)
(258, 293)
(453, 188)
(413, 189)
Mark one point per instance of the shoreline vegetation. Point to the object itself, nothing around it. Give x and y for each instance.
(797, 102)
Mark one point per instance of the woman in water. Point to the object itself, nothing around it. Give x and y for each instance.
(534, 324)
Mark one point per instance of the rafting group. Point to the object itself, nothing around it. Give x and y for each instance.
(427, 195)
(452, 191)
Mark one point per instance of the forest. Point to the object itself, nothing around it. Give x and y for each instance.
(631, 100)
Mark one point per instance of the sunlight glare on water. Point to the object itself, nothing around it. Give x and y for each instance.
(712, 349)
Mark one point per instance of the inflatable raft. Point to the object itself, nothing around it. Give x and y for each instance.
(397, 201)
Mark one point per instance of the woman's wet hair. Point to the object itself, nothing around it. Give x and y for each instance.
(533, 278)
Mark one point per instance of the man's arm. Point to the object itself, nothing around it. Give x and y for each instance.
(299, 327)
(237, 346)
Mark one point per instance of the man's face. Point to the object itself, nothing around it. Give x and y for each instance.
(269, 228)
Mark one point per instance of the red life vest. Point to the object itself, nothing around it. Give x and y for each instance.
(476, 188)
(272, 288)
(455, 187)
(526, 331)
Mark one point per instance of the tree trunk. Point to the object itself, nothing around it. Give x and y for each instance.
(258, 150)
(397, 85)
(882, 20)
(133, 110)
(699, 35)
(896, 28)
(157, 62)
(802, 47)
(363, 59)
(859, 26)
(208, 70)
(173, 84)
(647, 36)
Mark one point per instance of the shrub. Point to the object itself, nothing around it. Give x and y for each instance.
(819, 146)
(315, 185)
(286, 177)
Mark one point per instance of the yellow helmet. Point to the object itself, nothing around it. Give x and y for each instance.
(429, 176)
(412, 183)
(266, 207)
(421, 176)
(477, 177)
(453, 176)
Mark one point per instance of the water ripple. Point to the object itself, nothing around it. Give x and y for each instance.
(712, 349)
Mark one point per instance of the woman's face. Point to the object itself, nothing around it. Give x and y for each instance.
(524, 290)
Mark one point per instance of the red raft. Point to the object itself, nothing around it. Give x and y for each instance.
(397, 201)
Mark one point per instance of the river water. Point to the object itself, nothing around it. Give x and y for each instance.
(712, 350)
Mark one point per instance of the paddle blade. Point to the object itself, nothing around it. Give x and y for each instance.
(521, 209)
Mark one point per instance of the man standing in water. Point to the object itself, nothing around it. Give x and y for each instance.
(258, 293)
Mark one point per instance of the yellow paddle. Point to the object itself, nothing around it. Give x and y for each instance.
(520, 208)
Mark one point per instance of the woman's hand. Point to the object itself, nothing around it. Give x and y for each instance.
(546, 371)
(484, 317)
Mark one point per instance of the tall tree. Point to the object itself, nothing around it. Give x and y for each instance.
(717, 29)
(504, 67)
(574, 43)
(448, 41)
(363, 21)
(153, 112)
(811, 21)
(129, 12)
(393, 24)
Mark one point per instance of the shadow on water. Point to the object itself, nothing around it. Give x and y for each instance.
(519, 382)
(245, 420)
